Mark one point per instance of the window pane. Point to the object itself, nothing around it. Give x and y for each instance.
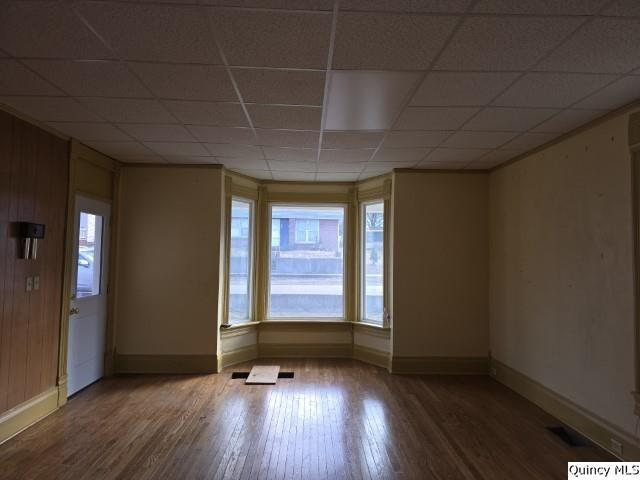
(373, 261)
(240, 261)
(307, 262)
(89, 255)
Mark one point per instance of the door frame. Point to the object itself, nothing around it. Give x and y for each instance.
(91, 175)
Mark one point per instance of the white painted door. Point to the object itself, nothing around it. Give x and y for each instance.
(88, 306)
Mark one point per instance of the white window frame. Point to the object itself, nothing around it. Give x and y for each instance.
(363, 251)
(345, 261)
(250, 260)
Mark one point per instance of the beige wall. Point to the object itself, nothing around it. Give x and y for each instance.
(169, 260)
(440, 265)
(561, 270)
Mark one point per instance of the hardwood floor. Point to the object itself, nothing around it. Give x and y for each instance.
(336, 419)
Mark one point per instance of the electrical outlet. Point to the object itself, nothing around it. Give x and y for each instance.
(29, 284)
(36, 283)
(493, 371)
(616, 447)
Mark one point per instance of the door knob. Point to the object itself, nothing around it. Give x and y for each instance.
(74, 311)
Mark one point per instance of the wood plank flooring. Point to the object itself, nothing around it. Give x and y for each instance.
(336, 419)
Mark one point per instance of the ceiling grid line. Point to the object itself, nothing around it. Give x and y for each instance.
(421, 79)
(532, 69)
(327, 82)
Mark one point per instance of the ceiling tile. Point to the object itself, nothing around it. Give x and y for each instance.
(121, 149)
(384, 167)
(128, 110)
(374, 172)
(567, 120)
(279, 165)
(292, 87)
(388, 41)
(90, 78)
(338, 167)
(243, 136)
(415, 139)
(494, 158)
(188, 82)
(238, 151)
(259, 174)
(337, 177)
(288, 138)
(527, 141)
(504, 43)
(433, 118)
(281, 4)
(622, 8)
(278, 116)
(294, 176)
(60, 34)
(508, 119)
(351, 139)
(157, 133)
(140, 159)
(291, 154)
(551, 89)
(478, 139)
(603, 45)
(208, 113)
(406, 6)
(400, 155)
(346, 155)
(177, 148)
(461, 88)
(273, 39)
(91, 131)
(540, 7)
(15, 79)
(243, 163)
(363, 100)
(191, 159)
(51, 108)
(455, 157)
(162, 33)
(619, 93)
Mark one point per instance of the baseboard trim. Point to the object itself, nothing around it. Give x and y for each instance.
(297, 350)
(238, 356)
(26, 414)
(588, 424)
(166, 363)
(440, 365)
(372, 356)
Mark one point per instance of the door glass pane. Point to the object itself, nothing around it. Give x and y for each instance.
(240, 261)
(307, 262)
(373, 261)
(89, 255)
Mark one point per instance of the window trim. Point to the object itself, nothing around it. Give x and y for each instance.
(252, 224)
(345, 260)
(362, 230)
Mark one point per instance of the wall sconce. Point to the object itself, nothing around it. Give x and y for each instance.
(30, 233)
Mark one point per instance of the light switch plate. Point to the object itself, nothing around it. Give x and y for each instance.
(29, 284)
(36, 282)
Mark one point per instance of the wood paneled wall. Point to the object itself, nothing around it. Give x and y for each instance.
(33, 187)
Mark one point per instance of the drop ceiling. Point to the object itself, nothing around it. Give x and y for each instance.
(315, 89)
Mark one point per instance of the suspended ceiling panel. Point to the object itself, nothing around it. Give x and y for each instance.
(317, 89)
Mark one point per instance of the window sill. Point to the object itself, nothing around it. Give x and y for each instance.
(373, 326)
(235, 326)
(307, 320)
